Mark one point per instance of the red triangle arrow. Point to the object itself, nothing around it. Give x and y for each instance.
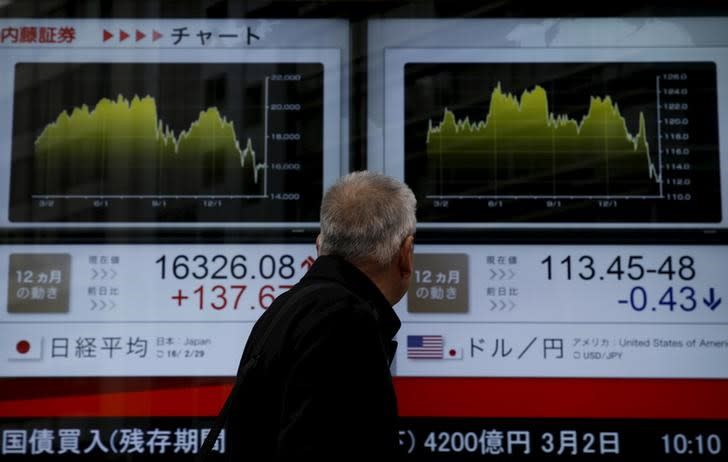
(156, 36)
(123, 35)
(107, 35)
(140, 35)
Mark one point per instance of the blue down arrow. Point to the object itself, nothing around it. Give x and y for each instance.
(711, 302)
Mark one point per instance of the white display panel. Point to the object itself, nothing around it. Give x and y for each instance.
(138, 310)
(583, 123)
(474, 311)
(171, 123)
(566, 311)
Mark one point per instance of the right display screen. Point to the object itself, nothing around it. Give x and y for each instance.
(547, 123)
(550, 142)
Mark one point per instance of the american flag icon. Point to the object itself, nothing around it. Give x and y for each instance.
(425, 346)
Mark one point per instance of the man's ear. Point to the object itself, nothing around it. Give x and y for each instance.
(406, 257)
(318, 245)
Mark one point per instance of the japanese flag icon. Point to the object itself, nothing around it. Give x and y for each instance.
(452, 351)
(23, 348)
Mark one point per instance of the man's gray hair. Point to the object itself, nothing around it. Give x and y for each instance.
(365, 216)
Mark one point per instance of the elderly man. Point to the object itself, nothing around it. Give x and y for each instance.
(316, 383)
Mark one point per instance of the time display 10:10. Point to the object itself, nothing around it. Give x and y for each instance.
(680, 444)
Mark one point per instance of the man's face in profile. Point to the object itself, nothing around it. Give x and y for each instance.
(406, 262)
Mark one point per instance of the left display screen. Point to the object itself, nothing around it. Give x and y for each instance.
(183, 123)
(150, 134)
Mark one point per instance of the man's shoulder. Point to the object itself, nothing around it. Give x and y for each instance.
(323, 309)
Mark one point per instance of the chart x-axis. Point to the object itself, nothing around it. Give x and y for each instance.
(172, 196)
(541, 197)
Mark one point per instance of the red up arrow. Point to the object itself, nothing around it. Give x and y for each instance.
(307, 263)
(123, 35)
(107, 35)
(140, 35)
(156, 36)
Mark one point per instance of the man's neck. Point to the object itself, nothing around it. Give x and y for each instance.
(383, 279)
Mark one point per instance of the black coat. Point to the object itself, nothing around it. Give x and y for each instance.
(322, 389)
